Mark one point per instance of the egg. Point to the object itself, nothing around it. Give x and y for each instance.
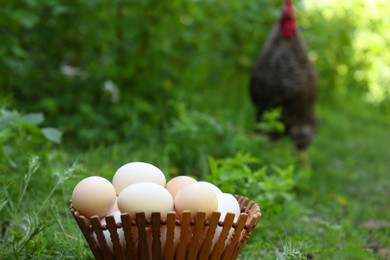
(176, 183)
(135, 172)
(228, 203)
(216, 190)
(94, 196)
(115, 208)
(196, 197)
(145, 197)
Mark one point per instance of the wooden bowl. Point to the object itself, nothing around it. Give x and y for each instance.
(196, 239)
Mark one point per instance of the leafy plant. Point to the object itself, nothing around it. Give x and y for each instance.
(270, 122)
(243, 174)
(188, 137)
(16, 128)
(290, 250)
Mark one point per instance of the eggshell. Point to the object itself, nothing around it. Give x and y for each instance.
(145, 197)
(216, 190)
(136, 172)
(94, 196)
(228, 203)
(196, 197)
(176, 183)
(115, 208)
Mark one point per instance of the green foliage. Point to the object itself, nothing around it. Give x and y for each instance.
(25, 220)
(189, 135)
(147, 56)
(348, 42)
(16, 128)
(291, 251)
(192, 136)
(271, 186)
(95, 72)
(271, 122)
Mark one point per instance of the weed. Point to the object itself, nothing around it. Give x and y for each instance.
(290, 250)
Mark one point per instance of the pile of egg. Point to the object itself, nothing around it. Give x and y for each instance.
(142, 187)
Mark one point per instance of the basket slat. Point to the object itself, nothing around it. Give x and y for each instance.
(185, 233)
(169, 251)
(242, 201)
(117, 245)
(143, 252)
(81, 221)
(220, 245)
(207, 243)
(195, 242)
(130, 249)
(97, 228)
(253, 220)
(250, 206)
(229, 250)
(156, 243)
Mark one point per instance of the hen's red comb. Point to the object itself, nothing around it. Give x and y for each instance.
(287, 20)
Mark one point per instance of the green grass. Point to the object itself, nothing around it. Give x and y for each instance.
(343, 186)
(349, 163)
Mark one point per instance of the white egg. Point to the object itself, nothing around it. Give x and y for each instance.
(145, 197)
(94, 196)
(216, 190)
(227, 203)
(136, 172)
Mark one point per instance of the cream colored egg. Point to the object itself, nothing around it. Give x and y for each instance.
(196, 197)
(115, 208)
(135, 172)
(176, 183)
(216, 190)
(94, 196)
(227, 203)
(145, 197)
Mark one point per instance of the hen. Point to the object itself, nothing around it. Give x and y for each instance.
(284, 77)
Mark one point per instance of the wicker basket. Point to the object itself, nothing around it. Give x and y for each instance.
(196, 235)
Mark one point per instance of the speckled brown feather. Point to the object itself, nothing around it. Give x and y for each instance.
(283, 76)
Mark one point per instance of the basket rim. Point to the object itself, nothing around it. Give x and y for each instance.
(257, 215)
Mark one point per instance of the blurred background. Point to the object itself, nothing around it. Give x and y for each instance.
(96, 68)
(105, 82)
